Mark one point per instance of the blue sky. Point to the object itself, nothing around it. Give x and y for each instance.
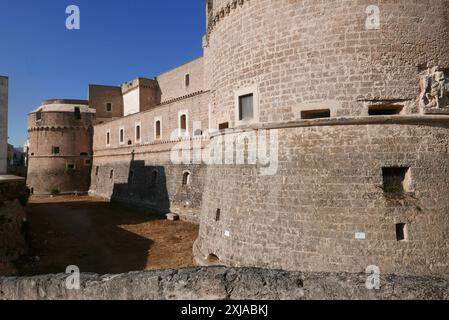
(118, 41)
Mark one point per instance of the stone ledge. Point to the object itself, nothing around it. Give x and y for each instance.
(220, 283)
(340, 121)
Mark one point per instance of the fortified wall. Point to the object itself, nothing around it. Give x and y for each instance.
(133, 154)
(351, 102)
(366, 185)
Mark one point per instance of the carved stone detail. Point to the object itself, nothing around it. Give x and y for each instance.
(434, 90)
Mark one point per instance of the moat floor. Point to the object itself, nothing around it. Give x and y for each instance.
(102, 238)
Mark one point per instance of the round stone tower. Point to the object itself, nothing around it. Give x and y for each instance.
(60, 147)
(355, 100)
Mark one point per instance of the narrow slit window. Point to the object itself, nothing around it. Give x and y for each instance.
(138, 133)
(218, 215)
(186, 179)
(108, 138)
(122, 136)
(316, 114)
(401, 232)
(246, 111)
(384, 110)
(158, 130)
(187, 80)
(97, 171)
(111, 174)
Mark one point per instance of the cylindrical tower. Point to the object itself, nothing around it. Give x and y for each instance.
(356, 98)
(60, 147)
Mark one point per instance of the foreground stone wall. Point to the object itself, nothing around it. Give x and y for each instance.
(13, 197)
(329, 187)
(220, 283)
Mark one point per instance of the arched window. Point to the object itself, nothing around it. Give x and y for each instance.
(186, 178)
(183, 123)
(158, 130)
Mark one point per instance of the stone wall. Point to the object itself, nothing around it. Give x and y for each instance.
(3, 124)
(99, 96)
(308, 54)
(172, 83)
(125, 172)
(223, 284)
(13, 197)
(58, 127)
(145, 177)
(329, 186)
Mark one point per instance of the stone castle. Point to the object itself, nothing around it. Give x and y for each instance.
(358, 117)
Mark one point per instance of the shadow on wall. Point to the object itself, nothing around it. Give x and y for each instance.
(146, 187)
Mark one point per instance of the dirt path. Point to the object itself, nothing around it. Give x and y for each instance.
(102, 238)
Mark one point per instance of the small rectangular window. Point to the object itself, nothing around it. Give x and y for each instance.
(395, 180)
(70, 166)
(55, 151)
(315, 114)
(108, 107)
(87, 162)
(183, 122)
(246, 111)
(223, 126)
(77, 113)
(401, 232)
(218, 215)
(38, 116)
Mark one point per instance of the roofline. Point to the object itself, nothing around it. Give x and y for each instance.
(65, 101)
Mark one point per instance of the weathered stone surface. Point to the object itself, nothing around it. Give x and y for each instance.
(3, 123)
(13, 196)
(222, 283)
